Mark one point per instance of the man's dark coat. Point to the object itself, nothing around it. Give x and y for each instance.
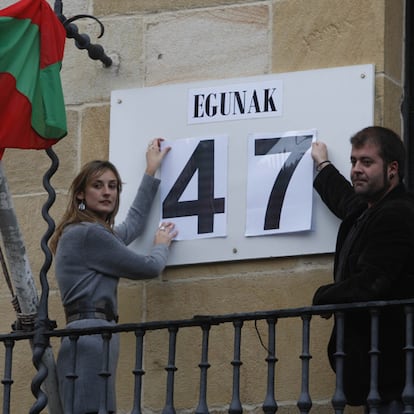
(377, 265)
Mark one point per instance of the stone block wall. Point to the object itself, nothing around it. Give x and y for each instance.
(155, 42)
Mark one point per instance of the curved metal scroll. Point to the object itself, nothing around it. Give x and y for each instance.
(82, 41)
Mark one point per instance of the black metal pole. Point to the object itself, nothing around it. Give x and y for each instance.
(42, 323)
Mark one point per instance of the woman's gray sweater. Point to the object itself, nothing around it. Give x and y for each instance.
(89, 261)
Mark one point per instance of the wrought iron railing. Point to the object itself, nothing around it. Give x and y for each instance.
(237, 320)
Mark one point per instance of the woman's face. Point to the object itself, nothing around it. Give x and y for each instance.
(101, 194)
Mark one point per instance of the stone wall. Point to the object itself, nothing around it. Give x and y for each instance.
(154, 42)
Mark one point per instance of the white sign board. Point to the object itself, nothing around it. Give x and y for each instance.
(242, 147)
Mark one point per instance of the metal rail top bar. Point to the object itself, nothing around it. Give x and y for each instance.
(200, 320)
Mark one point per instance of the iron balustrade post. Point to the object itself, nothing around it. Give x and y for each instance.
(338, 399)
(374, 399)
(270, 405)
(408, 392)
(71, 376)
(305, 402)
(202, 407)
(235, 405)
(171, 368)
(105, 374)
(7, 380)
(138, 371)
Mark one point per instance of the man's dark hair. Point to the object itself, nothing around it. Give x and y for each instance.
(391, 147)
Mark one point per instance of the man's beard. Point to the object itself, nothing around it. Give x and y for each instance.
(373, 197)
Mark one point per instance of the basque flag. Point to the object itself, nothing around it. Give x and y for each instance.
(32, 107)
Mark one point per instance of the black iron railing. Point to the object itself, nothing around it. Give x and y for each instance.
(237, 320)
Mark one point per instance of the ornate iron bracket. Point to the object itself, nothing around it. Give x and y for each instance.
(82, 41)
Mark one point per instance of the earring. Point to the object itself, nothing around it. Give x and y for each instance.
(81, 206)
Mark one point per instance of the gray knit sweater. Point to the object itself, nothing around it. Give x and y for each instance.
(90, 258)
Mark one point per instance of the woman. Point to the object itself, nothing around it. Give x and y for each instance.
(91, 254)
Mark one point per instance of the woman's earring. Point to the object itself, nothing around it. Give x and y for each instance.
(81, 206)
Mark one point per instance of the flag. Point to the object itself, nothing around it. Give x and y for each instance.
(32, 108)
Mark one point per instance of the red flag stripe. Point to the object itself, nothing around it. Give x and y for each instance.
(13, 132)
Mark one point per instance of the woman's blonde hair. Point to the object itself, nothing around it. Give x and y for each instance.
(73, 214)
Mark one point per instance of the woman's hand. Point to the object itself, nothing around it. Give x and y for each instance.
(165, 233)
(154, 155)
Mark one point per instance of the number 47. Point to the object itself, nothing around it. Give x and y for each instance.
(194, 192)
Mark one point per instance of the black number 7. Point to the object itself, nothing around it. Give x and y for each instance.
(201, 160)
(297, 146)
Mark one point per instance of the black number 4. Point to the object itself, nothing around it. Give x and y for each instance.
(297, 146)
(201, 160)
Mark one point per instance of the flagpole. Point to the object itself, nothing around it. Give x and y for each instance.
(24, 285)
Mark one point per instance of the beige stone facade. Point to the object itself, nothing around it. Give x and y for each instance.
(155, 42)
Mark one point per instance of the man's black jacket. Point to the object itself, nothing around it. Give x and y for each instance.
(378, 265)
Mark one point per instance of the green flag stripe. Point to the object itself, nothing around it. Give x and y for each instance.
(20, 53)
(20, 56)
(51, 110)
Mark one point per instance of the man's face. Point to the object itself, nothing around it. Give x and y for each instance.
(369, 175)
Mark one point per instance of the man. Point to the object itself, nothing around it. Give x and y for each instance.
(373, 258)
